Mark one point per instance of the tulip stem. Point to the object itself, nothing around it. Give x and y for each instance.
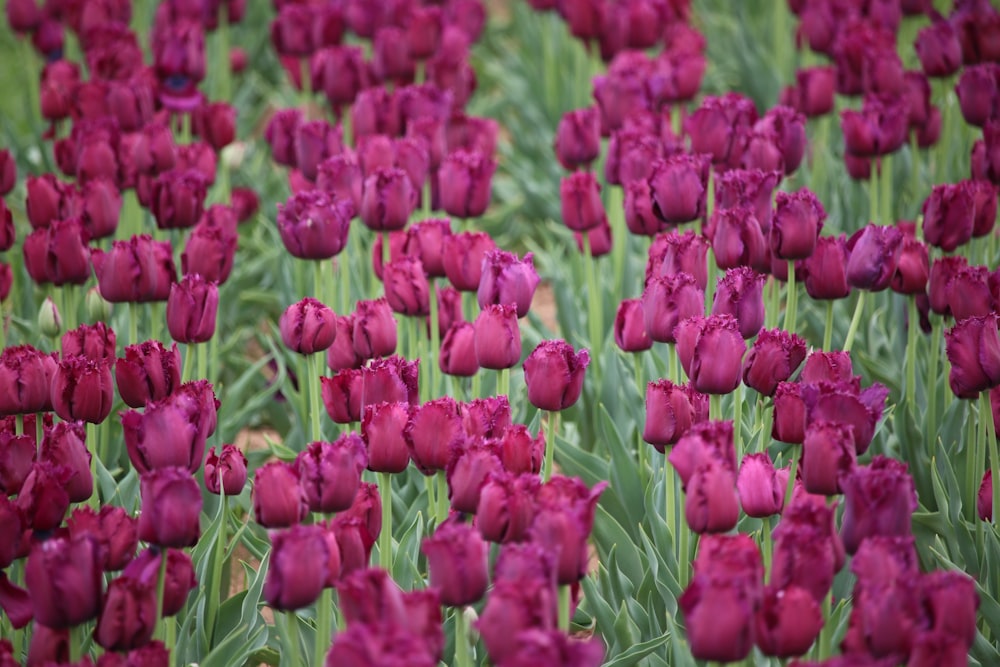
(161, 583)
(442, 496)
(385, 537)
(305, 79)
(991, 439)
(790, 300)
(202, 360)
(766, 544)
(94, 501)
(855, 321)
(550, 445)
(885, 198)
(670, 496)
(133, 323)
(461, 639)
(640, 444)
(430, 485)
(715, 407)
(911, 355)
(503, 382)
(215, 592)
(315, 372)
(826, 632)
(765, 431)
(435, 326)
(292, 638)
(189, 352)
(738, 422)
(931, 377)
(828, 329)
(76, 639)
(222, 64)
(594, 310)
(792, 470)
(683, 551)
(324, 621)
(974, 445)
(564, 604)
(873, 184)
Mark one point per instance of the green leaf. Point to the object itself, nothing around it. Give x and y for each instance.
(639, 651)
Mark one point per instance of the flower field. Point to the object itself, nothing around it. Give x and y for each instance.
(522, 333)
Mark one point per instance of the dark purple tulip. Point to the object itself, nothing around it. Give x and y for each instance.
(797, 222)
(101, 202)
(171, 506)
(578, 138)
(149, 372)
(520, 452)
(582, 208)
(298, 569)
(307, 327)
(191, 309)
(388, 200)
(458, 350)
(761, 488)
(486, 418)
(718, 355)
(383, 428)
(215, 123)
(554, 375)
(719, 127)
(828, 453)
(137, 270)
(845, 403)
(973, 348)
(874, 256)
(44, 497)
(985, 196)
(878, 129)
(226, 471)
(506, 506)
(599, 239)
(630, 327)
(942, 273)
(469, 466)
(314, 142)
(342, 395)
(789, 132)
(397, 250)
(669, 413)
(457, 560)
(433, 431)
(879, 500)
(340, 176)
(465, 179)
(463, 258)
(827, 367)
(65, 445)
(563, 522)
(788, 622)
(718, 616)
(211, 247)
(978, 93)
(178, 198)
(667, 301)
(749, 187)
(678, 185)
(17, 454)
(807, 549)
(772, 359)
(116, 532)
(687, 333)
(425, 240)
(66, 255)
(374, 332)
(341, 354)
(514, 607)
(179, 579)
(314, 225)
(631, 155)
(95, 342)
(406, 287)
(738, 239)
(390, 380)
(497, 337)
(952, 603)
(740, 293)
(279, 499)
(7, 232)
(789, 414)
(640, 218)
(711, 503)
(82, 390)
(824, 272)
(674, 252)
(330, 472)
(128, 616)
(506, 279)
(63, 576)
(949, 215)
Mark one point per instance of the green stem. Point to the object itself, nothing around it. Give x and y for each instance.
(790, 299)
(826, 632)
(462, 658)
(641, 446)
(715, 406)
(94, 502)
(225, 70)
(315, 364)
(432, 370)
(442, 496)
(738, 422)
(766, 544)
(873, 184)
(385, 537)
(619, 232)
(670, 503)
(19, 426)
(564, 604)
(550, 445)
(430, 485)
(974, 440)
(765, 431)
(76, 639)
(39, 430)
(161, 582)
(475, 389)
(324, 623)
(828, 329)
(215, 593)
(931, 381)
(156, 320)
(683, 551)
(792, 470)
(888, 215)
(991, 441)
(503, 382)
(133, 323)
(292, 637)
(306, 94)
(594, 310)
(911, 356)
(345, 286)
(855, 321)
(202, 358)
(189, 352)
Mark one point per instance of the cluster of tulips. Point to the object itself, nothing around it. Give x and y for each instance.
(106, 517)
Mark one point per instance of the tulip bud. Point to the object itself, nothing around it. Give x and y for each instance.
(717, 356)
(578, 138)
(314, 224)
(96, 307)
(307, 327)
(913, 268)
(505, 279)
(582, 209)
(465, 178)
(279, 499)
(171, 507)
(382, 427)
(554, 375)
(342, 395)
(463, 258)
(772, 359)
(973, 348)
(297, 573)
(226, 471)
(433, 431)
(374, 332)
(191, 309)
(49, 319)
(406, 287)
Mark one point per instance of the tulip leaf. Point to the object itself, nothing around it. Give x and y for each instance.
(405, 568)
(679, 648)
(608, 534)
(624, 475)
(596, 603)
(626, 631)
(236, 647)
(637, 652)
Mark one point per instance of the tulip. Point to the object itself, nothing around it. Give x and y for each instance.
(761, 488)
(463, 258)
(719, 126)
(599, 239)
(136, 270)
(307, 327)
(116, 533)
(874, 256)
(825, 271)
(554, 375)
(630, 327)
(878, 501)
(486, 417)
(389, 199)
(101, 204)
(669, 413)
(226, 471)
(719, 619)
(178, 198)
(913, 268)
(520, 452)
(382, 427)
(458, 353)
(279, 498)
(740, 293)
(512, 608)
(397, 245)
(297, 572)
(772, 359)
(341, 354)
(984, 498)
(211, 247)
(952, 601)
(128, 617)
(505, 279)
(191, 309)
(578, 138)
(667, 301)
(748, 187)
(148, 372)
(828, 453)
(457, 561)
(63, 576)
(973, 348)
(44, 497)
(468, 469)
(433, 431)
(878, 129)
(171, 502)
(314, 225)
(179, 577)
(949, 216)
(807, 549)
(674, 253)
(374, 332)
(449, 309)
(465, 179)
(738, 239)
(720, 372)
(12, 523)
(364, 644)
(562, 524)
(845, 403)
(425, 240)
(389, 380)
(553, 647)
(82, 390)
(17, 453)
(66, 256)
(582, 209)
(788, 622)
(939, 49)
(497, 337)
(30, 372)
(65, 445)
(406, 287)
(711, 502)
(798, 219)
(506, 506)
(342, 395)
(679, 186)
(827, 367)
(630, 159)
(977, 92)
(942, 272)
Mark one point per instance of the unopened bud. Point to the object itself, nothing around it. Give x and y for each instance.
(49, 320)
(98, 310)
